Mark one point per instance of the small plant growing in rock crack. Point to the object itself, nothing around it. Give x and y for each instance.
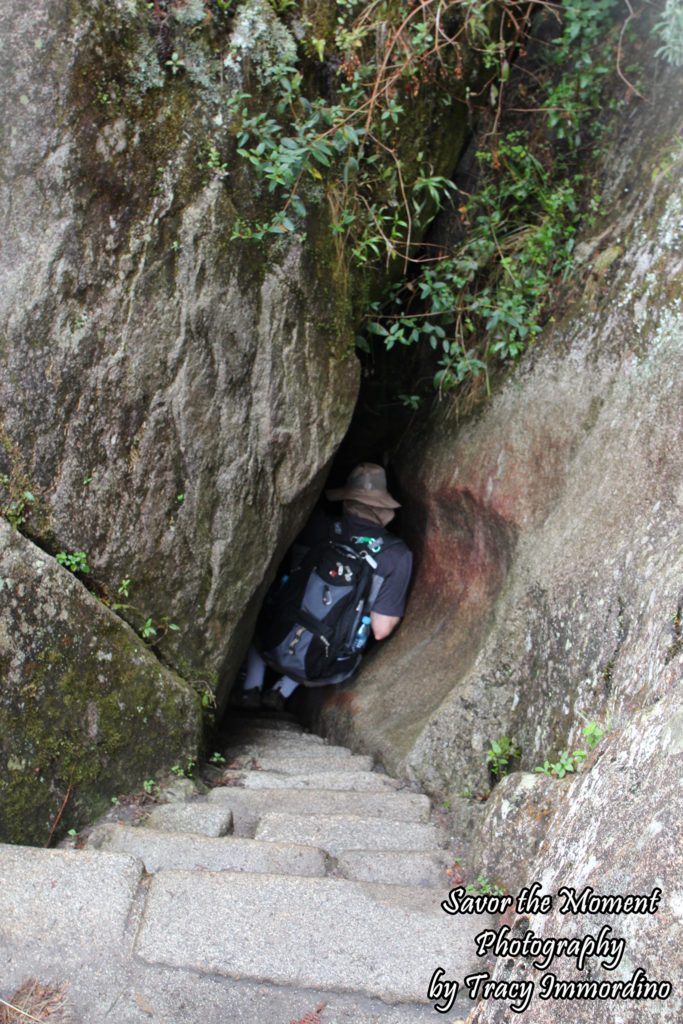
(501, 753)
(566, 764)
(218, 169)
(216, 758)
(75, 562)
(150, 787)
(208, 697)
(593, 733)
(484, 888)
(186, 772)
(175, 63)
(152, 630)
(16, 509)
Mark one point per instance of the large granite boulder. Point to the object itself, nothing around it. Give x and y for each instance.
(87, 712)
(171, 392)
(169, 396)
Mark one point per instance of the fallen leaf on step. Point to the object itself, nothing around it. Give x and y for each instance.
(144, 1005)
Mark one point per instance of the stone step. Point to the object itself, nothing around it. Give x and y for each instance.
(248, 806)
(253, 734)
(323, 934)
(198, 817)
(270, 721)
(397, 867)
(353, 782)
(297, 746)
(339, 833)
(165, 851)
(297, 764)
(75, 901)
(74, 915)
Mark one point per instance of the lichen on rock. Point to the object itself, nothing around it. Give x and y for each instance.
(260, 37)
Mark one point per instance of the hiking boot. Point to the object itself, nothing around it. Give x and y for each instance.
(249, 699)
(273, 700)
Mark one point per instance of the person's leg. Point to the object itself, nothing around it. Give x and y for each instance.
(256, 670)
(281, 691)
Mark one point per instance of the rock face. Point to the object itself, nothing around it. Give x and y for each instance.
(514, 825)
(86, 710)
(619, 833)
(547, 596)
(169, 397)
(547, 529)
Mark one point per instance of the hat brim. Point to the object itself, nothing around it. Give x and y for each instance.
(375, 499)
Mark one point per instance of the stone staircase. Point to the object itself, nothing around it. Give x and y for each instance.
(306, 888)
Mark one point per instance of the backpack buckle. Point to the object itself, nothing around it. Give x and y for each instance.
(373, 543)
(295, 639)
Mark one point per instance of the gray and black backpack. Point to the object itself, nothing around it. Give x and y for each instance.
(311, 617)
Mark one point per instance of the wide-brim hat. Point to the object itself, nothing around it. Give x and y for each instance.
(367, 484)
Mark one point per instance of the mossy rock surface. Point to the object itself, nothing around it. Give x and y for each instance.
(86, 709)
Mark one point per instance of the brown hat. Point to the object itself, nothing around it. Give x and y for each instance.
(367, 484)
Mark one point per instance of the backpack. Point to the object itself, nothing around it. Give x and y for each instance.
(311, 617)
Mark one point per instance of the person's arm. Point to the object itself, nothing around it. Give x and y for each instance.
(383, 625)
(390, 604)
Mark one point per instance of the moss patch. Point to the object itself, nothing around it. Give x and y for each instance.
(86, 711)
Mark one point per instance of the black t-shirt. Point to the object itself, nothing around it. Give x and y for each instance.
(394, 564)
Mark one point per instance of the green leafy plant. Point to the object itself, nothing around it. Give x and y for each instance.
(16, 508)
(175, 63)
(500, 753)
(350, 144)
(217, 758)
(208, 698)
(669, 28)
(184, 772)
(151, 630)
(593, 733)
(75, 562)
(150, 787)
(484, 888)
(481, 303)
(218, 169)
(565, 764)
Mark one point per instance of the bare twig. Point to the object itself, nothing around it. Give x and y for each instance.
(632, 14)
(61, 809)
(46, 1003)
(16, 1009)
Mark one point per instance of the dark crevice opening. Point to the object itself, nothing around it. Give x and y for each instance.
(374, 432)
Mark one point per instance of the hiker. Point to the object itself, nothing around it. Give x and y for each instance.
(355, 546)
